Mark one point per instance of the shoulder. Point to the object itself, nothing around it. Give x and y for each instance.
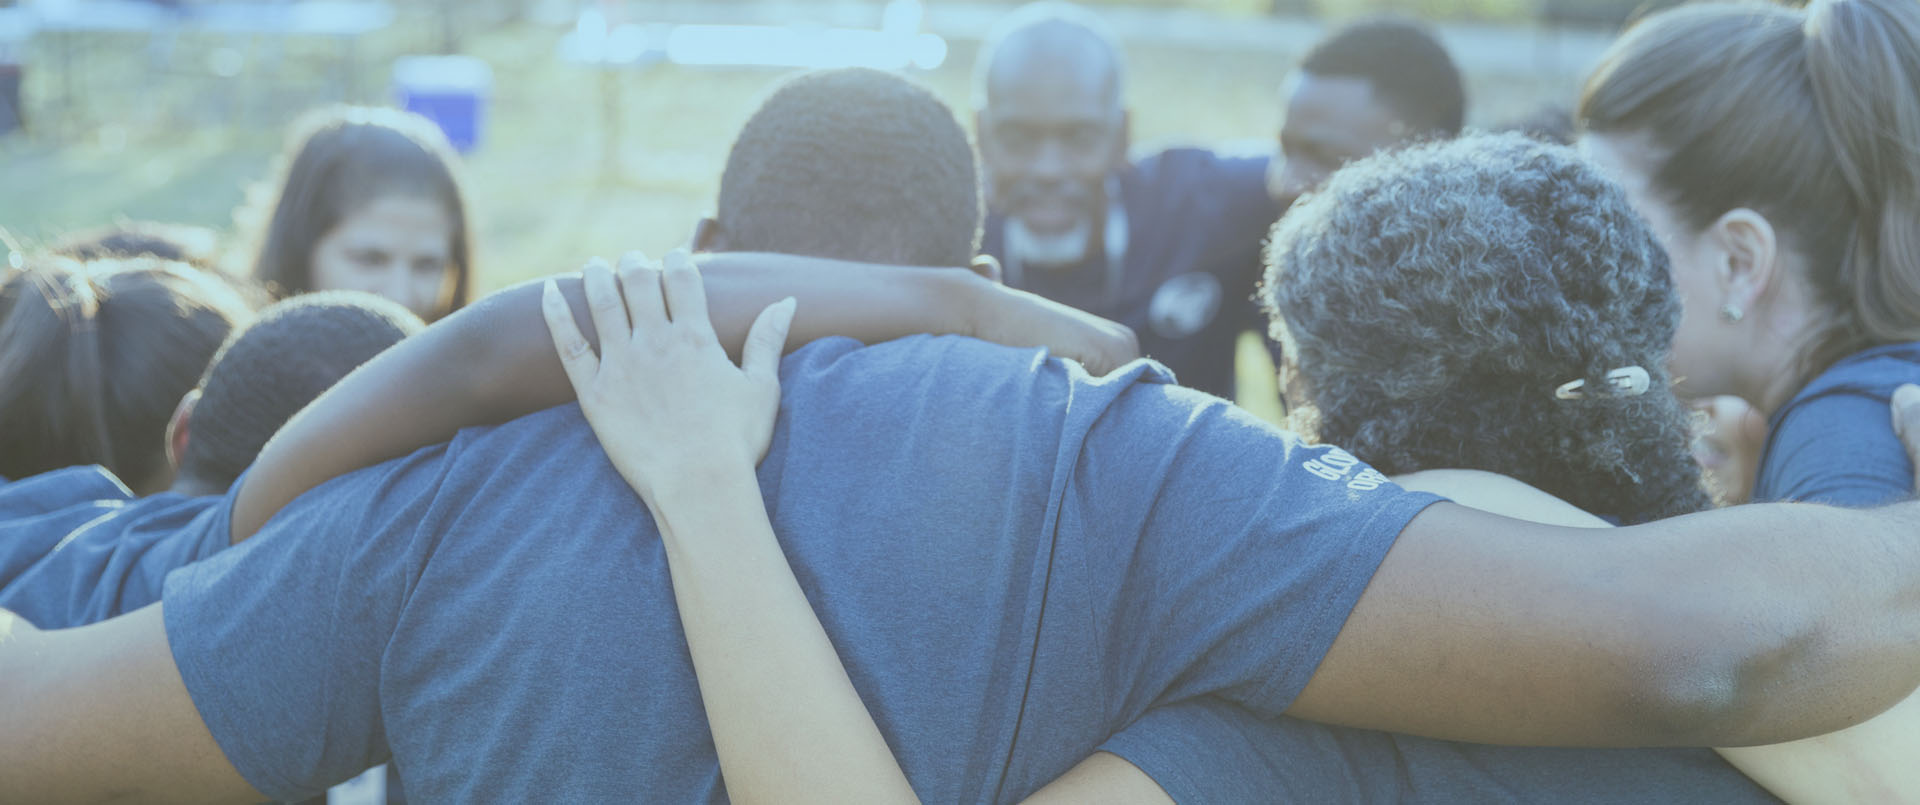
(59, 489)
(1837, 448)
(1200, 166)
(1872, 373)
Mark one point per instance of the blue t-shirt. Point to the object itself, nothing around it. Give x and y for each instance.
(1196, 224)
(76, 547)
(1014, 560)
(1209, 750)
(1834, 441)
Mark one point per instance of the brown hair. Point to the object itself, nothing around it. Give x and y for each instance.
(343, 158)
(94, 357)
(1810, 117)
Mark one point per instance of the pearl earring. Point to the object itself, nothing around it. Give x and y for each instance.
(1730, 314)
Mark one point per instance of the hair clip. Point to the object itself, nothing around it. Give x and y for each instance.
(1626, 381)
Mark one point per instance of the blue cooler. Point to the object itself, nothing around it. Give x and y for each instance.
(451, 91)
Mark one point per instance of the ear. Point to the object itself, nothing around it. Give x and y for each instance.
(986, 266)
(179, 428)
(707, 236)
(1749, 266)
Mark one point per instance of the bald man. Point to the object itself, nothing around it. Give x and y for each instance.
(1170, 244)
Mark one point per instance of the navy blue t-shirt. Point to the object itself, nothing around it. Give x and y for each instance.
(76, 547)
(1014, 560)
(1211, 751)
(1834, 441)
(1196, 224)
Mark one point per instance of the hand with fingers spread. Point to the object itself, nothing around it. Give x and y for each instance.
(685, 427)
(662, 394)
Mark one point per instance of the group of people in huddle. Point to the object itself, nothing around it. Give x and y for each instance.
(867, 496)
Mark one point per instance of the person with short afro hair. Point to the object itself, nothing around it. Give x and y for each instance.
(852, 164)
(269, 370)
(1375, 85)
(1440, 303)
(1405, 64)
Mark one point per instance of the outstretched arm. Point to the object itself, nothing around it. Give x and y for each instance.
(685, 428)
(1752, 625)
(492, 361)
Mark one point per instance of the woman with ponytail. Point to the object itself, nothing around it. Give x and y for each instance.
(95, 356)
(1776, 152)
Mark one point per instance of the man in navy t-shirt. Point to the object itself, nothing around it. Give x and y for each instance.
(1170, 244)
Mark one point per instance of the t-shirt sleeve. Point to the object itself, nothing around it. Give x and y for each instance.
(1224, 554)
(1209, 750)
(1839, 449)
(279, 640)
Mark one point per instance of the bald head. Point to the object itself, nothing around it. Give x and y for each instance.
(1049, 41)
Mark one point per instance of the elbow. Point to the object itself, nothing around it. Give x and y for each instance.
(1736, 682)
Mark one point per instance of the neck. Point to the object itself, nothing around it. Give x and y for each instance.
(1771, 373)
(191, 487)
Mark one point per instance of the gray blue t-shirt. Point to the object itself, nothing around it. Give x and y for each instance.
(1013, 559)
(1833, 442)
(76, 547)
(1208, 750)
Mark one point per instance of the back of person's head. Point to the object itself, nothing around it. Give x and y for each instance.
(1810, 117)
(854, 164)
(1408, 68)
(342, 159)
(197, 245)
(269, 370)
(1434, 301)
(95, 356)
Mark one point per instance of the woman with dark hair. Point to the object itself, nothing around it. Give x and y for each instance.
(95, 356)
(370, 202)
(1773, 150)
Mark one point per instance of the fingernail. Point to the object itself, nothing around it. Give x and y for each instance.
(598, 262)
(633, 259)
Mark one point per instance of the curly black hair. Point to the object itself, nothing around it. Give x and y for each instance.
(1434, 298)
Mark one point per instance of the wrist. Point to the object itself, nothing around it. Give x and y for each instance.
(692, 479)
(977, 298)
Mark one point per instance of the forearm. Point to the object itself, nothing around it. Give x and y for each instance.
(1754, 625)
(787, 722)
(493, 361)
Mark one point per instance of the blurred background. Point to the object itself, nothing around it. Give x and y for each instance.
(599, 126)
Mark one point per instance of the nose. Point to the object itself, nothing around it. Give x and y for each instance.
(1051, 160)
(395, 283)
